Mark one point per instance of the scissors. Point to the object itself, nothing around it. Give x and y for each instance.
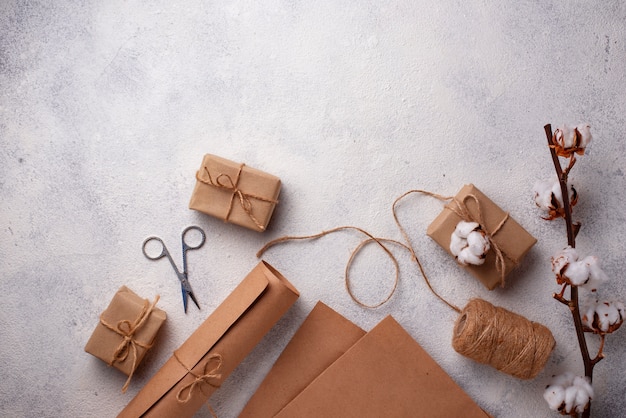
(182, 277)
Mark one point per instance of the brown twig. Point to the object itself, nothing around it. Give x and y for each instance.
(572, 230)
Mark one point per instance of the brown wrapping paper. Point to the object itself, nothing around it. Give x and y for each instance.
(235, 193)
(331, 368)
(321, 339)
(513, 240)
(231, 332)
(125, 306)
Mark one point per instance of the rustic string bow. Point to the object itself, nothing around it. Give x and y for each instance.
(208, 376)
(225, 182)
(127, 330)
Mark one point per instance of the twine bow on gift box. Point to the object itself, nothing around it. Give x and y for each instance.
(127, 331)
(207, 377)
(463, 212)
(225, 182)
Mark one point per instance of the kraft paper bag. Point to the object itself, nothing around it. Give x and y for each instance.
(235, 192)
(323, 337)
(215, 349)
(512, 239)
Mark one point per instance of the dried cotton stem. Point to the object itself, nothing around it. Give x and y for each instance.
(572, 229)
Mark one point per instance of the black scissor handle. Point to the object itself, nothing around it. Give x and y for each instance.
(163, 252)
(187, 246)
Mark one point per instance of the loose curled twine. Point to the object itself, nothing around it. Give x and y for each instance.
(381, 243)
(233, 186)
(463, 212)
(371, 238)
(505, 340)
(127, 331)
(207, 377)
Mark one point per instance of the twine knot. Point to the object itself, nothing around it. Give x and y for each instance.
(208, 376)
(127, 330)
(463, 212)
(225, 182)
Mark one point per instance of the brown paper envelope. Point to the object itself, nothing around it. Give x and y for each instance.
(385, 374)
(232, 331)
(323, 337)
(216, 201)
(512, 238)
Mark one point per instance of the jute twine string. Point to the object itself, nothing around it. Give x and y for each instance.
(485, 333)
(225, 182)
(129, 344)
(207, 377)
(505, 340)
(463, 212)
(371, 238)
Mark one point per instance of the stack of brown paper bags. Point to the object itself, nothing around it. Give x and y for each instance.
(331, 367)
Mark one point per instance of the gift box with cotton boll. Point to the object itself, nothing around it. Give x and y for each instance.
(489, 243)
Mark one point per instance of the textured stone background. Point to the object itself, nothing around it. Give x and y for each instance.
(106, 108)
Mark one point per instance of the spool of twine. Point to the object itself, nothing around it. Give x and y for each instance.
(502, 339)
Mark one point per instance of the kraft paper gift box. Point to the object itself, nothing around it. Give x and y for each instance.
(235, 193)
(332, 368)
(215, 349)
(511, 238)
(126, 331)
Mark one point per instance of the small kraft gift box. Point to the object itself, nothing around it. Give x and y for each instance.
(126, 331)
(235, 193)
(509, 241)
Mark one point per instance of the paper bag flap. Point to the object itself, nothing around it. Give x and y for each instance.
(191, 352)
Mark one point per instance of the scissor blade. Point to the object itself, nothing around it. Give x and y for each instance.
(193, 298)
(182, 287)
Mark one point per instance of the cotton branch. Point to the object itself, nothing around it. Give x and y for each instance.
(572, 230)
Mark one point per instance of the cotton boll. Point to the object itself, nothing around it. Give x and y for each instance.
(463, 229)
(562, 260)
(469, 244)
(466, 257)
(457, 244)
(602, 317)
(565, 136)
(543, 195)
(605, 314)
(584, 392)
(568, 393)
(558, 195)
(577, 273)
(585, 134)
(554, 395)
(596, 275)
(569, 140)
(570, 398)
(478, 243)
(549, 198)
